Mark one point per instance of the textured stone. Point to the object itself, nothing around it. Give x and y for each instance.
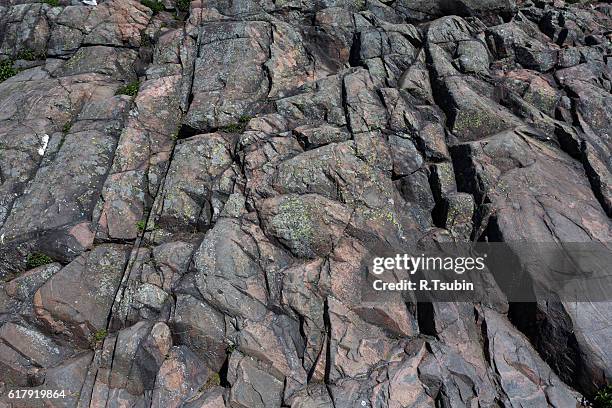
(230, 79)
(76, 301)
(179, 378)
(207, 183)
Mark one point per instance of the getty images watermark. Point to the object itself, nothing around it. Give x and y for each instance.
(492, 271)
(408, 265)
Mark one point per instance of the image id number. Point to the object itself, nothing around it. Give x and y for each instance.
(36, 394)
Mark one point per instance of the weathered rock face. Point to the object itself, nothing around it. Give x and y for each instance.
(190, 194)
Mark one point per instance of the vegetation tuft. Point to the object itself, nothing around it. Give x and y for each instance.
(130, 89)
(183, 5)
(100, 335)
(141, 225)
(29, 55)
(37, 259)
(603, 398)
(6, 70)
(238, 127)
(155, 5)
(52, 3)
(213, 381)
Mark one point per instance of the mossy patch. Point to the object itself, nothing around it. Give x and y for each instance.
(97, 338)
(30, 55)
(155, 5)
(141, 225)
(213, 381)
(37, 259)
(603, 397)
(361, 5)
(295, 225)
(100, 335)
(7, 70)
(183, 5)
(52, 3)
(237, 127)
(130, 89)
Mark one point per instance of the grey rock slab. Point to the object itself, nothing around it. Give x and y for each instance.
(193, 176)
(227, 272)
(309, 225)
(230, 79)
(201, 328)
(525, 379)
(76, 301)
(116, 63)
(519, 173)
(252, 385)
(179, 379)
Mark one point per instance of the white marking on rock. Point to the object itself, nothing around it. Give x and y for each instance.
(90, 2)
(44, 142)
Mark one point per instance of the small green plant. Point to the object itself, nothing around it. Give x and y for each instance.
(145, 39)
(244, 119)
(66, 127)
(155, 5)
(100, 335)
(361, 5)
(183, 5)
(603, 398)
(6, 70)
(237, 127)
(141, 225)
(97, 338)
(27, 55)
(213, 381)
(37, 259)
(52, 3)
(130, 89)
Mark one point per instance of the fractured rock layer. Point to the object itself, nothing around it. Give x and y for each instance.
(189, 197)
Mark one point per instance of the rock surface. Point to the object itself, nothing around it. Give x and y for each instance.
(190, 193)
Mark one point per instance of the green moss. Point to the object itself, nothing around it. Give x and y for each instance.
(361, 5)
(66, 128)
(155, 5)
(238, 127)
(130, 89)
(100, 335)
(183, 5)
(6, 70)
(29, 55)
(244, 119)
(97, 338)
(52, 3)
(145, 40)
(213, 381)
(37, 259)
(141, 225)
(603, 398)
